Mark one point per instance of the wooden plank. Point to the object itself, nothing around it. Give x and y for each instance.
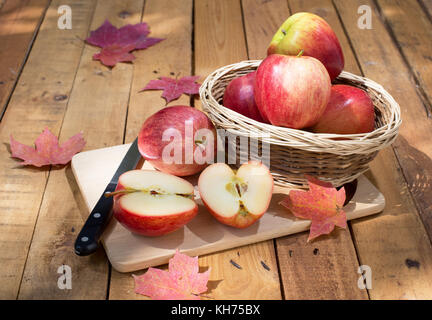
(97, 106)
(219, 35)
(427, 6)
(37, 102)
(171, 57)
(395, 245)
(19, 23)
(219, 40)
(412, 30)
(262, 19)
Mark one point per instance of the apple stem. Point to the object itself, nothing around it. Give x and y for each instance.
(152, 192)
(201, 143)
(123, 191)
(300, 53)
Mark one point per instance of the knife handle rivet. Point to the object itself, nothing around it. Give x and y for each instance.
(97, 215)
(84, 239)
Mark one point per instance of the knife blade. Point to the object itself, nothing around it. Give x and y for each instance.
(87, 240)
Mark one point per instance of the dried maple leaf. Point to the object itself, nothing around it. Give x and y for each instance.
(136, 35)
(112, 54)
(47, 151)
(322, 204)
(116, 43)
(174, 88)
(103, 36)
(182, 281)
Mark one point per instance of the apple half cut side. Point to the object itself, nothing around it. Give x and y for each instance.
(237, 199)
(153, 203)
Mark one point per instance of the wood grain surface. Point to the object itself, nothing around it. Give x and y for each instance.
(48, 79)
(100, 113)
(37, 102)
(414, 43)
(388, 244)
(19, 24)
(410, 28)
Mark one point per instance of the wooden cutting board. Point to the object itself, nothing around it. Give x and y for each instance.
(129, 252)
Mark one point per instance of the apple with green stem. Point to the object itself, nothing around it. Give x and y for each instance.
(237, 199)
(312, 34)
(153, 203)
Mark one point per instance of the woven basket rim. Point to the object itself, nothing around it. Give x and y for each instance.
(318, 142)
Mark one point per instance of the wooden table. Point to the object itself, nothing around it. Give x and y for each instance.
(48, 79)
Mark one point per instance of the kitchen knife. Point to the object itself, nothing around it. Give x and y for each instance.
(88, 239)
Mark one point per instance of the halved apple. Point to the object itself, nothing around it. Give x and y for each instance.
(153, 203)
(236, 199)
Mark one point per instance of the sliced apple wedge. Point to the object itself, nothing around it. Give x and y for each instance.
(153, 203)
(236, 199)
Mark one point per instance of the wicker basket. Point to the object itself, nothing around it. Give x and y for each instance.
(293, 153)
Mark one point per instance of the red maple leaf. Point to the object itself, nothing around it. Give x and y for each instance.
(174, 88)
(132, 34)
(182, 281)
(47, 151)
(137, 35)
(116, 43)
(112, 54)
(322, 204)
(103, 36)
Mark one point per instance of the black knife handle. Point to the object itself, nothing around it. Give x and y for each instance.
(87, 241)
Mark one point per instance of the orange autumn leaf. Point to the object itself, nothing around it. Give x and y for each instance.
(182, 281)
(322, 204)
(47, 150)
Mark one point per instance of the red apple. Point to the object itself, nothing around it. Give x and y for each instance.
(239, 97)
(179, 140)
(236, 199)
(349, 111)
(291, 91)
(153, 203)
(312, 34)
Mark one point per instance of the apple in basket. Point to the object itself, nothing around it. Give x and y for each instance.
(236, 199)
(153, 203)
(239, 96)
(179, 140)
(291, 91)
(311, 33)
(349, 111)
